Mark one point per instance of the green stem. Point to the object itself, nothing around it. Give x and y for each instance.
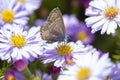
(27, 74)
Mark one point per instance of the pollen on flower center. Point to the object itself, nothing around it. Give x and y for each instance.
(82, 36)
(7, 15)
(22, 1)
(18, 41)
(69, 61)
(11, 77)
(111, 12)
(83, 74)
(64, 49)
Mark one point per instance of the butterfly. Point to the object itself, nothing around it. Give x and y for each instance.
(54, 29)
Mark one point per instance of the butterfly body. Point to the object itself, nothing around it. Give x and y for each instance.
(54, 29)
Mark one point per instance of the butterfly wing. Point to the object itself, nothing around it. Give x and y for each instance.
(54, 29)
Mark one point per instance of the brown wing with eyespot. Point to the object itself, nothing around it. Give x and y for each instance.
(54, 29)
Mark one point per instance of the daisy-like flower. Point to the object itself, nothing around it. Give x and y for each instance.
(10, 75)
(60, 52)
(30, 5)
(104, 15)
(13, 74)
(17, 43)
(12, 12)
(89, 67)
(77, 30)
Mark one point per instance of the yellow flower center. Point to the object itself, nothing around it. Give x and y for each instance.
(11, 77)
(7, 16)
(18, 41)
(64, 49)
(22, 1)
(69, 61)
(82, 36)
(83, 74)
(111, 12)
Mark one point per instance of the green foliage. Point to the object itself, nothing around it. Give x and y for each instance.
(4, 67)
(116, 55)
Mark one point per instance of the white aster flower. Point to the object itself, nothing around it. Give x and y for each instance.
(89, 67)
(17, 43)
(104, 15)
(30, 5)
(12, 12)
(63, 53)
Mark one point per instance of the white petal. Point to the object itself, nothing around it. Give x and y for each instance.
(98, 25)
(91, 12)
(24, 53)
(20, 21)
(118, 4)
(20, 14)
(99, 4)
(117, 20)
(95, 58)
(11, 4)
(30, 52)
(111, 28)
(19, 56)
(14, 54)
(92, 20)
(4, 46)
(110, 2)
(105, 27)
(33, 31)
(59, 62)
(16, 7)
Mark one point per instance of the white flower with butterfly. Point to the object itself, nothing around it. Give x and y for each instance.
(57, 49)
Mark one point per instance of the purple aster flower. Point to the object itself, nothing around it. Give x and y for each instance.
(10, 75)
(13, 74)
(17, 43)
(77, 30)
(12, 12)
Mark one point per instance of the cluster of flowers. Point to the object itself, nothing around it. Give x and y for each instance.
(76, 60)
